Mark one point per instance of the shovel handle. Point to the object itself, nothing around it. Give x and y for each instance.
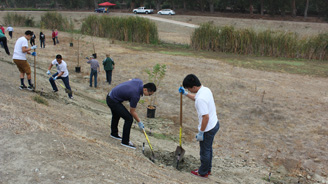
(180, 135)
(181, 109)
(147, 139)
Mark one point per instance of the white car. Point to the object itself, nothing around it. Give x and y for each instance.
(166, 12)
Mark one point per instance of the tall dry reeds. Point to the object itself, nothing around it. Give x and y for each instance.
(133, 29)
(265, 43)
(54, 20)
(14, 19)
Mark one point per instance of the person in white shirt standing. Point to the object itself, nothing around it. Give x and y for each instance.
(19, 58)
(208, 123)
(10, 31)
(62, 73)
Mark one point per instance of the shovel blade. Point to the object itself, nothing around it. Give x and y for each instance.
(179, 152)
(68, 91)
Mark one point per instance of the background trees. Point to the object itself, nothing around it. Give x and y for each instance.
(272, 7)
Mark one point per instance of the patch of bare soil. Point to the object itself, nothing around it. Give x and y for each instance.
(270, 122)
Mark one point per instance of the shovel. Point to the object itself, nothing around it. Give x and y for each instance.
(66, 90)
(179, 152)
(152, 157)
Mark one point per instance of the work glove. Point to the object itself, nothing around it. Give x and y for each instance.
(54, 78)
(33, 54)
(34, 47)
(141, 125)
(48, 72)
(200, 136)
(183, 91)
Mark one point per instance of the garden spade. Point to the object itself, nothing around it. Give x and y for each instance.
(66, 90)
(152, 157)
(179, 152)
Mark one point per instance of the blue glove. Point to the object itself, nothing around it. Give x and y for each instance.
(34, 47)
(54, 78)
(141, 125)
(48, 72)
(200, 136)
(33, 54)
(183, 91)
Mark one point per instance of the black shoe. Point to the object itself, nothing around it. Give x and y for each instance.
(116, 137)
(22, 87)
(30, 87)
(130, 145)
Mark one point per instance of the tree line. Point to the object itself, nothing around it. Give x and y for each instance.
(272, 7)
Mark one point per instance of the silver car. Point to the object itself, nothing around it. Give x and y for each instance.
(166, 12)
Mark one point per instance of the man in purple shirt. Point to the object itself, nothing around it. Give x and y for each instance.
(130, 91)
(94, 69)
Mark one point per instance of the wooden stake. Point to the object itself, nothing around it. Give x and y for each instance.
(34, 72)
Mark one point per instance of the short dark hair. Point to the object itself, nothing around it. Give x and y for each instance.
(151, 87)
(28, 32)
(59, 56)
(190, 81)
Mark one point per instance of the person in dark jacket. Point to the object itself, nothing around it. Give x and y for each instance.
(109, 66)
(32, 40)
(42, 40)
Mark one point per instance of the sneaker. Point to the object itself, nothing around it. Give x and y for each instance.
(30, 87)
(209, 172)
(54, 91)
(195, 172)
(71, 97)
(130, 145)
(22, 87)
(118, 137)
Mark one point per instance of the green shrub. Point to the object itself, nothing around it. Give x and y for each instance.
(54, 20)
(265, 43)
(40, 100)
(133, 29)
(15, 19)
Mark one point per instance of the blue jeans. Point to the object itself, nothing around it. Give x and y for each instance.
(64, 79)
(206, 150)
(42, 42)
(93, 73)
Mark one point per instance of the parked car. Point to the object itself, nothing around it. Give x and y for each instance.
(101, 10)
(143, 10)
(166, 12)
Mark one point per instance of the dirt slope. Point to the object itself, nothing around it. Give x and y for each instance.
(68, 141)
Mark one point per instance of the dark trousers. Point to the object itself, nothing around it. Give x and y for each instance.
(64, 79)
(95, 74)
(119, 111)
(206, 150)
(4, 44)
(42, 42)
(109, 76)
(54, 39)
(11, 34)
(32, 42)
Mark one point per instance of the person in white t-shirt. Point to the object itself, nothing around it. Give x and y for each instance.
(19, 58)
(62, 73)
(10, 31)
(208, 123)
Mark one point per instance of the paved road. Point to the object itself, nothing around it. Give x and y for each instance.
(170, 21)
